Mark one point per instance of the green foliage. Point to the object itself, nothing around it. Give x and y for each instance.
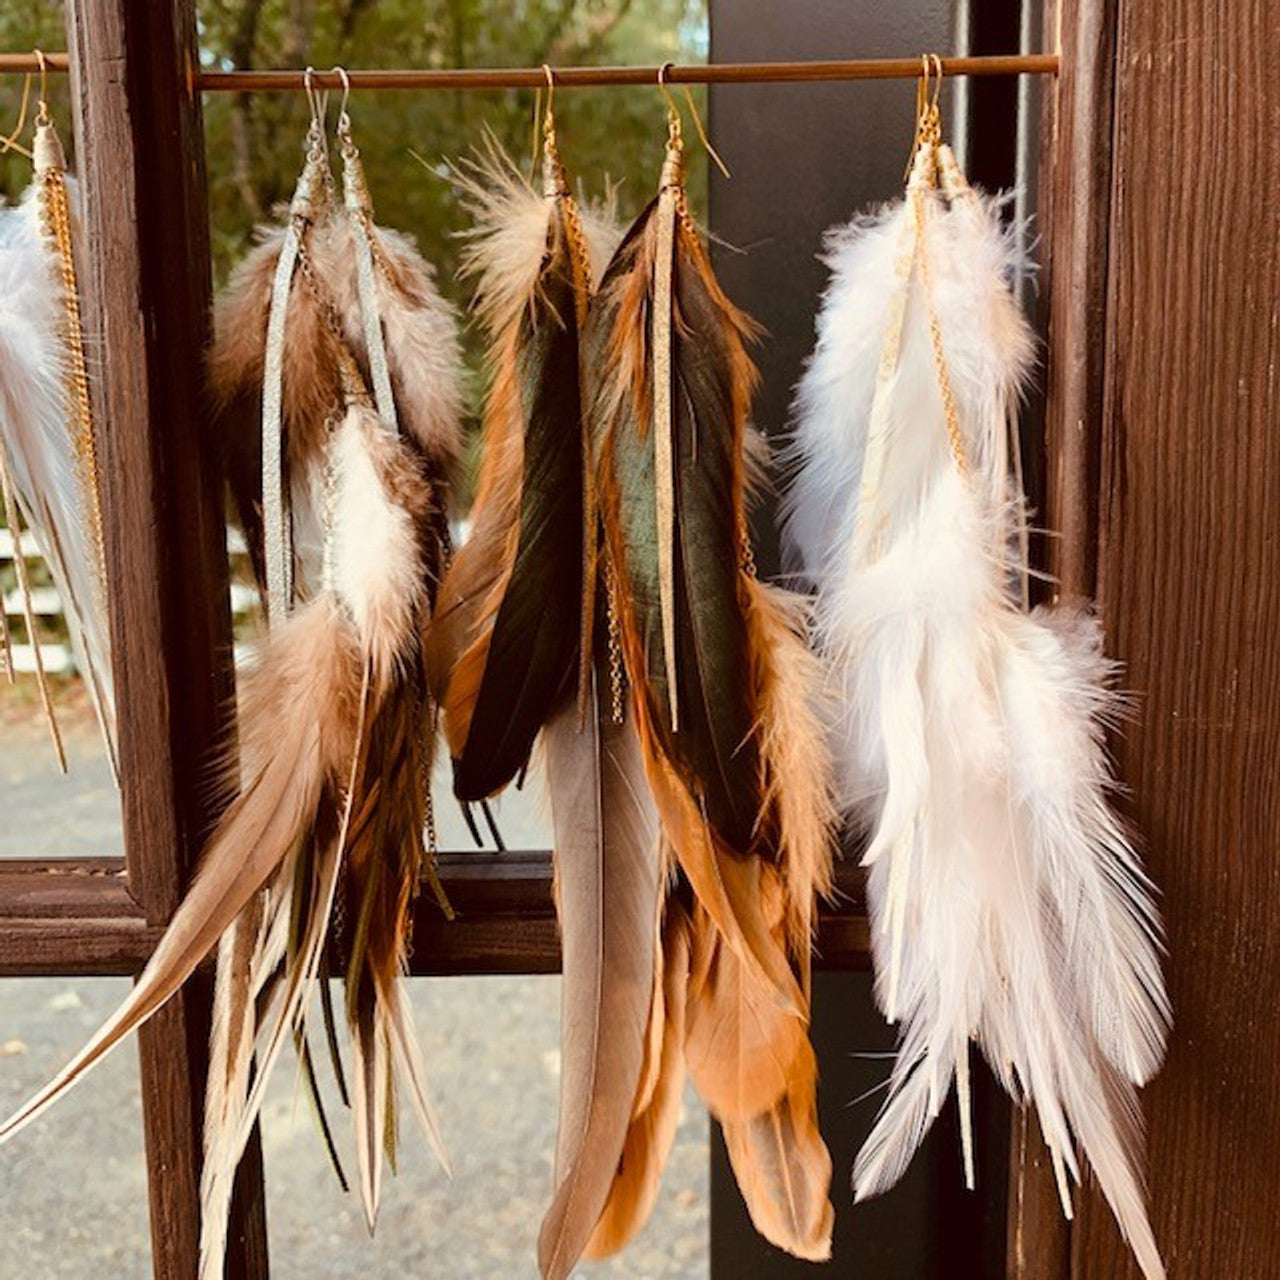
(33, 24)
(407, 139)
(254, 143)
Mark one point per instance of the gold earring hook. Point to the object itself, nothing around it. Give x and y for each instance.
(675, 133)
(42, 107)
(674, 129)
(10, 141)
(548, 118)
(928, 130)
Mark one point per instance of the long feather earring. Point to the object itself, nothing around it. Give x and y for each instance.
(48, 437)
(723, 690)
(515, 621)
(1008, 904)
(331, 801)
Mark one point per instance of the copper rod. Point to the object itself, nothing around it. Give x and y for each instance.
(568, 77)
(17, 63)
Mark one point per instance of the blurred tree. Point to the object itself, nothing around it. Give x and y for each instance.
(33, 24)
(254, 141)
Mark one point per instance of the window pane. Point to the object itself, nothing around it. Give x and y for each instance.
(74, 1184)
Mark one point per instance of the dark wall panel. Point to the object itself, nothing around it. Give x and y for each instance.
(804, 157)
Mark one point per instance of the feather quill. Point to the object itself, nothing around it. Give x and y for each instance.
(1008, 904)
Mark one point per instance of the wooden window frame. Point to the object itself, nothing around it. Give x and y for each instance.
(146, 279)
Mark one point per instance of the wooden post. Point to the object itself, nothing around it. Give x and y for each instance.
(1189, 587)
(139, 152)
(1075, 202)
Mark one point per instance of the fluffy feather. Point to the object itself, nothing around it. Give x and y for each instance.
(422, 352)
(1008, 906)
(35, 434)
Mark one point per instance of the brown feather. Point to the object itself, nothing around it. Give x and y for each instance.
(475, 583)
(298, 722)
(504, 636)
(725, 881)
(311, 383)
(748, 812)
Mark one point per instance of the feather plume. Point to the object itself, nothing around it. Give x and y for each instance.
(332, 761)
(46, 435)
(511, 622)
(298, 725)
(723, 693)
(1008, 904)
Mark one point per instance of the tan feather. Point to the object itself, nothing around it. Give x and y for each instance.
(420, 330)
(299, 722)
(729, 887)
(656, 1114)
(783, 1167)
(740, 1047)
(231, 1041)
(608, 878)
(798, 790)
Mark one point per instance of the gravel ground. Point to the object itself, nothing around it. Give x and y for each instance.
(74, 1185)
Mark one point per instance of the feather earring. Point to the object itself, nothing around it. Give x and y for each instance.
(331, 774)
(48, 437)
(1008, 904)
(722, 690)
(515, 620)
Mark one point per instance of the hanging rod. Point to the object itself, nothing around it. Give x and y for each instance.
(568, 77)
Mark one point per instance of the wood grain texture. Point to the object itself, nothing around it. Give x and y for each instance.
(78, 916)
(1189, 567)
(1075, 200)
(139, 148)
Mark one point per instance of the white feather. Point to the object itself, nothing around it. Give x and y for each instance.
(377, 569)
(1007, 904)
(35, 436)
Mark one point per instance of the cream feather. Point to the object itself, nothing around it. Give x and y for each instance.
(1008, 905)
(36, 439)
(298, 724)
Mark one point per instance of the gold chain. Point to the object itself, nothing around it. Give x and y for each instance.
(950, 412)
(55, 217)
(615, 642)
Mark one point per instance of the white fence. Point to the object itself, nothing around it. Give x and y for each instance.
(46, 605)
